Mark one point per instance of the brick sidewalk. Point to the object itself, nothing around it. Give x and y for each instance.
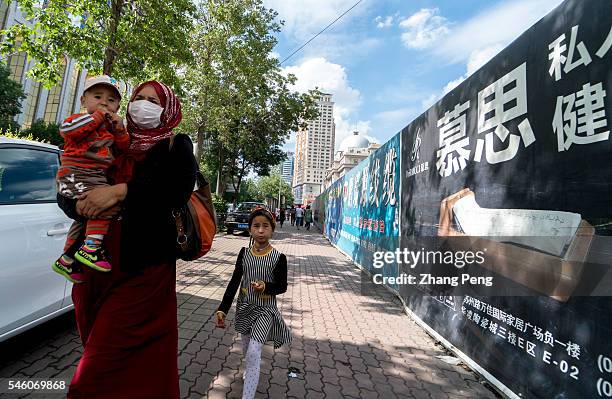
(344, 345)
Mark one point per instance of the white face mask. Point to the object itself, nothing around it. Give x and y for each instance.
(145, 114)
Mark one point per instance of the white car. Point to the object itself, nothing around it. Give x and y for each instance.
(32, 234)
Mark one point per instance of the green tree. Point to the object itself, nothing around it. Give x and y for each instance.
(41, 131)
(268, 187)
(11, 94)
(239, 105)
(130, 40)
(248, 192)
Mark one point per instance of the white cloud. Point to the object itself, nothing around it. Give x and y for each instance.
(448, 87)
(495, 27)
(405, 90)
(479, 39)
(332, 78)
(303, 18)
(339, 47)
(477, 59)
(328, 77)
(385, 22)
(343, 42)
(388, 123)
(423, 28)
(401, 103)
(481, 56)
(429, 101)
(395, 115)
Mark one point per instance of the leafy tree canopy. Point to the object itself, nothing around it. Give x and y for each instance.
(48, 133)
(239, 105)
(268, 187)
(130, 40)
(11, 94)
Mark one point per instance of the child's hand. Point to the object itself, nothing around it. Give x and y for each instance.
(258, 286)
(117, 120)
(220, 323)
(114, 120)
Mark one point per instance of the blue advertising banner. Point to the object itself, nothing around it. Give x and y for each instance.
(330, 205)
(362, 208)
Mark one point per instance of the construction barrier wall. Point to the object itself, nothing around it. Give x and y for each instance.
(526, 139)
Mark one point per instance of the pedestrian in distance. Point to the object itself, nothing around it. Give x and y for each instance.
(91, 141)
(299, 217)
(261, 275)
(281, 217)
(127, 318)
(308, 217)
(292, 214)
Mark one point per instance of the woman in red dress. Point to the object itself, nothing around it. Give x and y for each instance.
(127, 318)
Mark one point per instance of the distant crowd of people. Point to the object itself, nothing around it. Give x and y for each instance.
(297, 215)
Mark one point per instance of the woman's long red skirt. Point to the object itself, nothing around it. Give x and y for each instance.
(127, 323)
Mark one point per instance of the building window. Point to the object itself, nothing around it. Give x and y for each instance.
(32, 99)
(16, 63)
(53, 100)
(4, 9)
(75, 79)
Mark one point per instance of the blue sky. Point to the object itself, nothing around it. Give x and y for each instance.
(387, 61)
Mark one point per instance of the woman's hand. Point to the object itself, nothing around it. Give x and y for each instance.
(101, 200)
(110, 212)
(220, 323)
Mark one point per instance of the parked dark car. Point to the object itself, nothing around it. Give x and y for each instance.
(238, 219)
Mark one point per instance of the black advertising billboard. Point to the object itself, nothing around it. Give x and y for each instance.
(517, 161)
(511, 174)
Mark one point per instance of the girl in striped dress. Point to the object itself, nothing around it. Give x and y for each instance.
(261, 274)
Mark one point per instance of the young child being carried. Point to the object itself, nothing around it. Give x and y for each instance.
(90, 140)
(261, 274)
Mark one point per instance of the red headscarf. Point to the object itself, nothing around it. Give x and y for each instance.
(143, 139)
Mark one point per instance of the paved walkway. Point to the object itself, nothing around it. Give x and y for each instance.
(345, 345)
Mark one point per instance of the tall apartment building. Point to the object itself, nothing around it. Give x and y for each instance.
(286, 168)
(314, 152)
(51, 105)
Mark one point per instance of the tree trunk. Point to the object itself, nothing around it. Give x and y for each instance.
(218, 183)
(200, 143)
(203, 125)
(219, 190)
(240, 176)
(111, 53)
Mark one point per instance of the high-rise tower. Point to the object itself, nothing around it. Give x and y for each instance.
(314, 152)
